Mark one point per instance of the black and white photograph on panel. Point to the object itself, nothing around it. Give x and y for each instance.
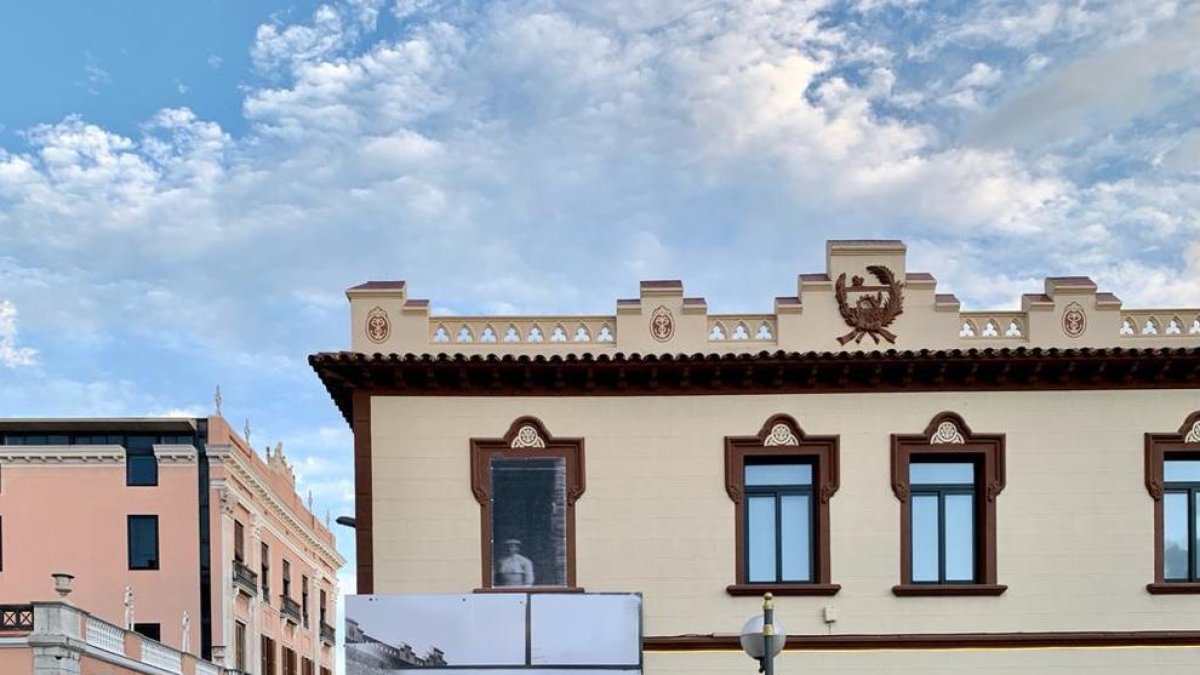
(496, 634)
(529, 522)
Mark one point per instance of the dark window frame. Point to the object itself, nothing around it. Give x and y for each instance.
(1160, 447)
(304, 599)
(819, 451)
(129, 520)
(987, 452)
(135, 458)
(151, 630)
(266, 648)
(240, 631)
(264, 567)
(483, 450)
(239, 541)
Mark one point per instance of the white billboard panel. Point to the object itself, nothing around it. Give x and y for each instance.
(495, 633)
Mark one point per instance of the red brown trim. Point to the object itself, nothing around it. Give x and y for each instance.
(824, 450)
(899, 641)
(482, 452)
(364, 531)
(779, 372)
(987, 450)
(1157, 448)
(911, 590)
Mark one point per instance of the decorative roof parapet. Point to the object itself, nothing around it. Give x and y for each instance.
(865, 299)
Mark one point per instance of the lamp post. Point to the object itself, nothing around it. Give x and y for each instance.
(762, 638)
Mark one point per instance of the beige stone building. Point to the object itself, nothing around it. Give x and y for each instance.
(924, 489)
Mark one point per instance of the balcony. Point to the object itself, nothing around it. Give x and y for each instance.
(328, 634)
(290, 609)
(245, 578)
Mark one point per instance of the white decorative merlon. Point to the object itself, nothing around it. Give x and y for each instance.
(781, 435)
(62, 454)
(947, 433)
(528, 437)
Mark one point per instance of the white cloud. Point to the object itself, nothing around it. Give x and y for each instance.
(12, 355)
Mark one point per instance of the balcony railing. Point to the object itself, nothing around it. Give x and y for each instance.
(289, 608)
(245, 577)
(16, 617)
(328, 633)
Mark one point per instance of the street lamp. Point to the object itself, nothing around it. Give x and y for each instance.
(762, 638)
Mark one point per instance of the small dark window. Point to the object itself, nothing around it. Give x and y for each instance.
(150, 630)
(239, 646)
(141, 466)
(304, 599)
(324, 600)
(265, 573)
(287, 579)
(143, 542)
(289, 662)
(308, 667)
(267, 650)
(239, 542)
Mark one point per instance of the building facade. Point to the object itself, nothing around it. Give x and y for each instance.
(922, 488)
(174, 528)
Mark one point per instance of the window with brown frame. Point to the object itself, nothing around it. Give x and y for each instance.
(239, 541)
(526, 483)
(267, 655)
(781, 482)
(239, 646)
(1172, 468)
(289, 662)
(947, 480)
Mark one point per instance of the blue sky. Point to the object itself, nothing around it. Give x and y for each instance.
(186, 189)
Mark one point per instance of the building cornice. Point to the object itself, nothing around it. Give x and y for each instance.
(62, 454)
(226, 456)
(780, 372)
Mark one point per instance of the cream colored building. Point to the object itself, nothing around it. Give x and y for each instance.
(673, 438)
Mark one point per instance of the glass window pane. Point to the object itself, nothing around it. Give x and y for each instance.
(960, 538)
(760, 538)
(941, 473)
(778, 474)
(1175, 536)
(143, 542)
(1181, 471)
(925, 538)
(796, 532)
(529, 521)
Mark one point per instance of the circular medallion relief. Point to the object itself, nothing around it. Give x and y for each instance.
(1074, 320)
(662, 324)
(378, 326)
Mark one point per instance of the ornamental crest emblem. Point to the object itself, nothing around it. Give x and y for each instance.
(662, 324)
(1074, 320)
(378, 326)
(874, 307)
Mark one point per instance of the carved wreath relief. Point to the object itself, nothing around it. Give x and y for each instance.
(1074, 320)
(870, 314)
(662, 324)
(378, 327)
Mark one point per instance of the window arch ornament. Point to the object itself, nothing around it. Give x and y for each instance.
(560, 464)
(781, 438)
(948, 438)
(1184, 444)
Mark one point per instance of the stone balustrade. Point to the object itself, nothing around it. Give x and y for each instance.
(105, 636)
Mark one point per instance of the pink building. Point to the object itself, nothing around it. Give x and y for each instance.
(170, 526)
